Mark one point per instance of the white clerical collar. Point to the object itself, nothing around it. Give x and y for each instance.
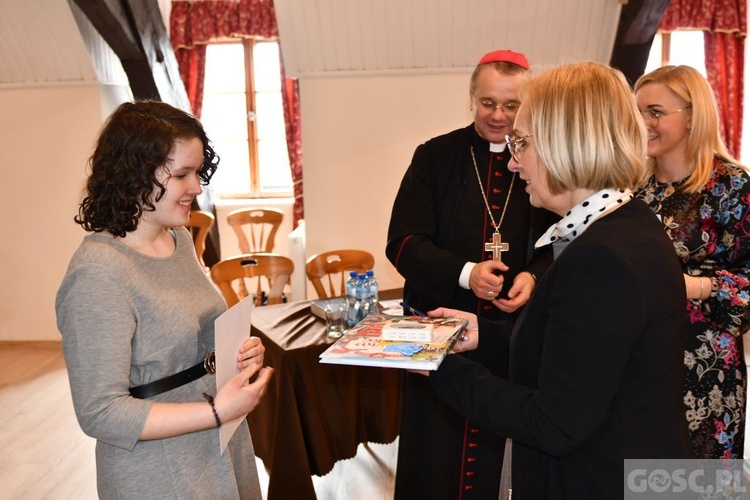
(497, 147)
(580, 217)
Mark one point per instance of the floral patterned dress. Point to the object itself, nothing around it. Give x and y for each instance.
(711, 234)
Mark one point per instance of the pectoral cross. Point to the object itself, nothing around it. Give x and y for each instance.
(496, 246)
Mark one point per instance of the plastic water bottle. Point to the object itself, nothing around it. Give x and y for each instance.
(373, 295)
(363, 296)
(351, 299)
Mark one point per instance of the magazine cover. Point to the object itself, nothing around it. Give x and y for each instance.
(412, 328)
(363, 344)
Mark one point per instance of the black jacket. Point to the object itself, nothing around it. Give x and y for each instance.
(595, 364)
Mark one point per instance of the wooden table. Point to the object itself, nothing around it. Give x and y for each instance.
(314, 414)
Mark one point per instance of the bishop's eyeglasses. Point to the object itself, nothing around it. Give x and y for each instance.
(516, 145)
(492, 106)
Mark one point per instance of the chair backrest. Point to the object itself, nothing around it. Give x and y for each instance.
(260, 224)
(329, 265)
(270, 272)
(199, 225)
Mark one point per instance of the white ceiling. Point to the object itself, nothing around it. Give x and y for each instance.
(41, 42)
(323, 37)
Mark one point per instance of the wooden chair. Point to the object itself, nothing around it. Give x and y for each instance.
(268, 269)
(330, 264)
(260, 224)
(199, 225)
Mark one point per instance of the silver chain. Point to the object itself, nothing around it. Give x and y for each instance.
(484, 196)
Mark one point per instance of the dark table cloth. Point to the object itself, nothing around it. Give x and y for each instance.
(314, 414)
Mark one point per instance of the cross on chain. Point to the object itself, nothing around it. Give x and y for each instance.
(496, 246)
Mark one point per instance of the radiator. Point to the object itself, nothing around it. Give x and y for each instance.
(297, 254)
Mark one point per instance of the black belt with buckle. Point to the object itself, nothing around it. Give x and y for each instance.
(208, 365)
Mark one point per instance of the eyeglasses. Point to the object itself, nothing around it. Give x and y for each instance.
(651, 116)
(516, 145)
(492, 106)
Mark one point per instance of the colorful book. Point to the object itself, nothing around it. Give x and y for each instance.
(364, 345)
(411, 328)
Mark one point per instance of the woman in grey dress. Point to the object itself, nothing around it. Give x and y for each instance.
(135, 307)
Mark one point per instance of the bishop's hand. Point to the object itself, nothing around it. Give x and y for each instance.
(486, 279)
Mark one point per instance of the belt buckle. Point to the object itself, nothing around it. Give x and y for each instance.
(209, 363)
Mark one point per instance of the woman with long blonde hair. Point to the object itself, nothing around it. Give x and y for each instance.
(701, 195)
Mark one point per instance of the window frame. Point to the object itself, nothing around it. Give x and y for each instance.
(248, 45)
(666, 56)
(255, 188)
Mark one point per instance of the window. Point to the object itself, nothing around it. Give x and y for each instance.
(678, 47)
(686, 47)
(244, 118)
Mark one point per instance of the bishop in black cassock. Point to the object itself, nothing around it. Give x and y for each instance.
(439, 222)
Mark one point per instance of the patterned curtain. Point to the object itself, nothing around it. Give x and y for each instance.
(290, 99)
(724, 26)
(195, 23)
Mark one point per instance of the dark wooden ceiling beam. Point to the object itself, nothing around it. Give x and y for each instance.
(639, 20)
(155, 43)
(135, 31)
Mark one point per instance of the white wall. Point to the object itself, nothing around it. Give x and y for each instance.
(358, 136)
(46, 136)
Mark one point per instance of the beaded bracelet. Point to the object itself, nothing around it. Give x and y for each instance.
(210, 400)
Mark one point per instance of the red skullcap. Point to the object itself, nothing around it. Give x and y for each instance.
(505, 56)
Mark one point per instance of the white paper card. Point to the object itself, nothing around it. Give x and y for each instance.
(392, 307)
(231, 329)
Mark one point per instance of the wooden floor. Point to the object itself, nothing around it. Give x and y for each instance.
(46, 456)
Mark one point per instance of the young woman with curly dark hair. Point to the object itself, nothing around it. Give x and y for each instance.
(137, 312)
(136, 140)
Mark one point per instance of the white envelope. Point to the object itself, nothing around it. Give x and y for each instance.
(231, 329)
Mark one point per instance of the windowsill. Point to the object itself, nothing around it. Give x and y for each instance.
(252, 202)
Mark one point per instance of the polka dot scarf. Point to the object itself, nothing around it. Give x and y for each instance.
(580, 217)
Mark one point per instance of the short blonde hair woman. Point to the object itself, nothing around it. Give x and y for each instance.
(595, 362)
(604, 146)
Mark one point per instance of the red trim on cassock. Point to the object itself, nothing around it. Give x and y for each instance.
(401, 249)
(463, 460)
